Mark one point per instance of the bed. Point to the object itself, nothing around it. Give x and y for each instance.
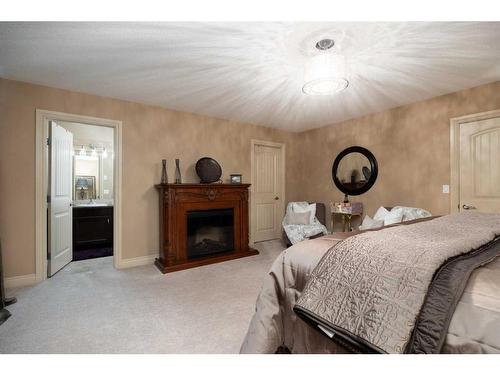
(275, 327)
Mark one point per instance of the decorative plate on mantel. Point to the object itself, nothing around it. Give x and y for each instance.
(208, 170)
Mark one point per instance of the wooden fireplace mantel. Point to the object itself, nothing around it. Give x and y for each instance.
(176, 200)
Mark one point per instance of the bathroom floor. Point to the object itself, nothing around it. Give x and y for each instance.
(92, 253)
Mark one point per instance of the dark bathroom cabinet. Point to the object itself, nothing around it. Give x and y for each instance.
(92, 227)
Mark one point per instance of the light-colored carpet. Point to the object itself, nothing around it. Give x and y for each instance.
(89, 307)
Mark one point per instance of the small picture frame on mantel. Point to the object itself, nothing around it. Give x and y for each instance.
(235, 178)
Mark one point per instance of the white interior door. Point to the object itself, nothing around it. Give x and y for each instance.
(267, 188)
(480, 166)
(60, 214)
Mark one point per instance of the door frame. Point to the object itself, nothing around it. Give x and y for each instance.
(455, 124)
(41, 183)
(282, 147)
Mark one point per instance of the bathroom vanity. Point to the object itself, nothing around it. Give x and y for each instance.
(92, 231)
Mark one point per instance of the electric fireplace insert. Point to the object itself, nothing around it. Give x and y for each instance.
(209, 232)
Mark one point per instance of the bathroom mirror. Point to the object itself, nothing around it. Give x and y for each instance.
(92, 173)
(354, 170)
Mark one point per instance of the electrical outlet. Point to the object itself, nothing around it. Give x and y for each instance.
(446, 189)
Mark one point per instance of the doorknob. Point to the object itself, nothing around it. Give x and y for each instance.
(467, 207)
(276, 198)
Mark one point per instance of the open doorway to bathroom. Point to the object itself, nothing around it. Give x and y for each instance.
(92, 189)
(78, 190)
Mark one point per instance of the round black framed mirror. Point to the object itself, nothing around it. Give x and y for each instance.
(354, 170)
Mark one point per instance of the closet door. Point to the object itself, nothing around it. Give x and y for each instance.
(267, 187)
(480, 166)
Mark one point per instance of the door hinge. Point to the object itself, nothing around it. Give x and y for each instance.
(48, 198)
(48, 141)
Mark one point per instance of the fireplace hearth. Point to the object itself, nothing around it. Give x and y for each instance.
(202, 224)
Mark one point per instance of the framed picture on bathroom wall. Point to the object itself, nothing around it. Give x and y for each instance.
(84, 187)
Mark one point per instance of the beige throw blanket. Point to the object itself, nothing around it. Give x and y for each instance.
(373, 285)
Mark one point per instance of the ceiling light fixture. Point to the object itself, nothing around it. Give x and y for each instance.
(326, 73)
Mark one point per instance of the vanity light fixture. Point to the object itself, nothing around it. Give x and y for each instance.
(325, 73)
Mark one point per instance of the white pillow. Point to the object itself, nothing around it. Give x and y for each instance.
(381, 214)
(369, 223)
(412, 213)
(395, 216)
(309, 208)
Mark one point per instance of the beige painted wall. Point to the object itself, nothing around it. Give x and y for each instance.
(411, 144)
(149, 134)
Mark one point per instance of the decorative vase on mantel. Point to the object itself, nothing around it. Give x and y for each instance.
(178, 179)
(164, 177)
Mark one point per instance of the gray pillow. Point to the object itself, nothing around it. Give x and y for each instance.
(298, 218)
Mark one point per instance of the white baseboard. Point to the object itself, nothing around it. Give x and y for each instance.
(20, 281)
(136, 262)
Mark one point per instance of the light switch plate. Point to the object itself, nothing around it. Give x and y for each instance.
(106, 191)
(446, 189)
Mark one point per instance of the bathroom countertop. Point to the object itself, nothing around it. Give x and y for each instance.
(90, 205)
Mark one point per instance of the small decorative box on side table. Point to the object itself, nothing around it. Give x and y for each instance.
(347, 211)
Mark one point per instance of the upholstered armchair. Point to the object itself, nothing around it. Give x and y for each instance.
(320, 215)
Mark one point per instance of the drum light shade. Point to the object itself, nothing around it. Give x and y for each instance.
(325, 74)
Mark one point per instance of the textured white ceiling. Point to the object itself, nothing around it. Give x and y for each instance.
(253, 72)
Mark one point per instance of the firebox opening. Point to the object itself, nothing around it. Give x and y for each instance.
(209, 232)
